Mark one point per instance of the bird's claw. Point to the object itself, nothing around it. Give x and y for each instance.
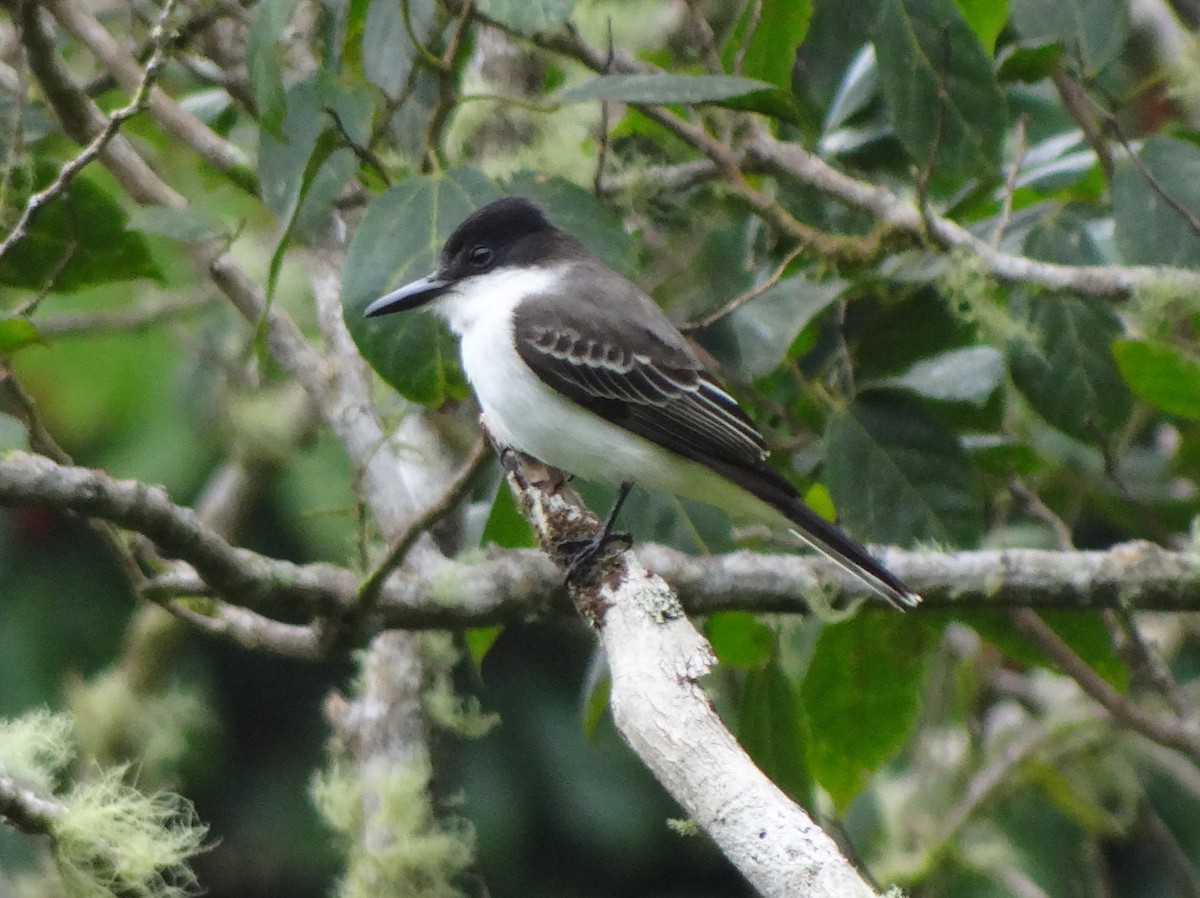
(582, 554)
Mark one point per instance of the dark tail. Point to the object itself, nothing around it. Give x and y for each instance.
(826, 538)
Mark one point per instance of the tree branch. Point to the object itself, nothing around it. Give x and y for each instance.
(513, 584)
(179, 124)
(26, 809)
(1165, 730)
(758, 151)
(656, 659)
(103, 136)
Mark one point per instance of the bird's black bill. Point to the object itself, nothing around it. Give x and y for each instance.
(410, 296)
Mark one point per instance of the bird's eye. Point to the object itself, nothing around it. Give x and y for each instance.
(480, 256)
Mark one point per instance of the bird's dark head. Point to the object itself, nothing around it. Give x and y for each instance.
(507, 233)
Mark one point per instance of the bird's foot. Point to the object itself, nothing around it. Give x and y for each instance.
(581, 555)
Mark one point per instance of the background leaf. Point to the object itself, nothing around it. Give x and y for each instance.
(528, 16)
(764, 329)
(861, 696)
(739, 639)
(898, 475)
(1092, 32)
(396, 242)
(771, 728)
(387, 48)
(970, 374)
(987, 19)
(771, 53)
(16, 333)
(1066, 369)
(726, 90)
(1148, 230)
(1161, 375)
(939, 87)
(78, 240)
(262, 61)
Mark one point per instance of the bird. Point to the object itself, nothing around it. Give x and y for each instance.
(576, 366)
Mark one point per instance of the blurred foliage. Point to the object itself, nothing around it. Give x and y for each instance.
(903, 388)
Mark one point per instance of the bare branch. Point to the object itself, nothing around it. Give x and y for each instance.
(250, 578)
(1165, 730)
(26, 809)
(106, 133)
(178, 123)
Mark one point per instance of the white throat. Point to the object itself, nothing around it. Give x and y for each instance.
(490, 299)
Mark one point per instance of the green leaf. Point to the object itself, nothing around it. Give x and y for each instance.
(596, 697)
(1064, 234)
(1160, 375)
(506, 527)
(16, 333)
(861, 696)
(724, 90)
(479, 641)
(528, 16)
(78, 240)
(1092, 32)
(858, 87)
(781, 27)
(898, 475)
(396, 242)
(1029, 64)
(986, 18)
(765, 328)
(327, 143)
(387, 47)
(185, 225)
(577, 211)
(739, 638)
(939, 86)
(1002, 456)
(293, 184)
(1149, 231)
(263, 63)
(771, 728)
(970, 374)
(1066, 369)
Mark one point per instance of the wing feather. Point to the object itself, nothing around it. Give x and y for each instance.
(679, 406)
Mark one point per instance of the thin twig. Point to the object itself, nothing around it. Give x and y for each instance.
(365, 154)
(753, 293)
(706, 40)
(1076, 101)
(1166, 731)
(447, 90)
(368, 594)
(138, 318)
(1144, 661)
(739, 56)
(68, 172)
(1010, 179)
(602, 150)
(1189, 217)
(1040, 510)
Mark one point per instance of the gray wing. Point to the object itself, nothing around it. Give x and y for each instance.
(647, 379)
(643, 377)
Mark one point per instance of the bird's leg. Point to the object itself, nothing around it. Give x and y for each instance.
(582, 553)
